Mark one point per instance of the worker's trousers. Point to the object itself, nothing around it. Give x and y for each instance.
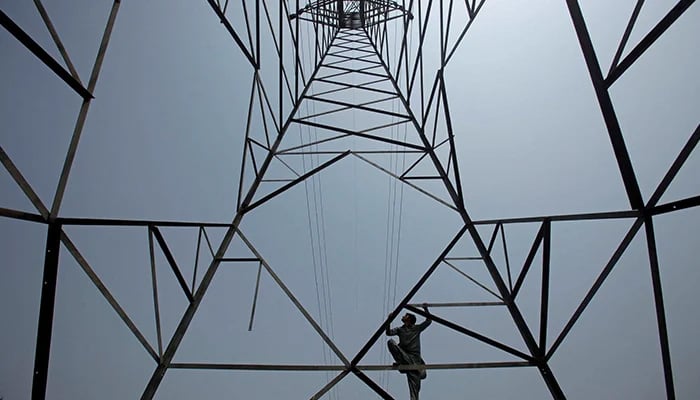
(403, 358)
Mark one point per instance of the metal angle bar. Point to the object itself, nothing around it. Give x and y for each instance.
(46, 311)
(425, 192)
(419, 55)
(528, 261)
(470, 9)
(293, 299)
(57, 40)
(443, 48)
(505, 253)
(82, 115)
(450, 135)
(295, 182)
(233, 33)
(206, 237)
(42, 55)
(239, 259)
(255, 142)
(363, 86)
(460, 304)
(23, 184)
(372, 384)
(347, 49)
(389, 125)
(422, 178)
(262, 92)
(196, 258)
(298, 153)
(464, 31)
(494, 235)
(361, 49)
(137, 222)
(659, 304)
(364, 58)
(359, 106)
(22, 215)
(544, 297)
(676, 205)
(256, 62)
(347, 107)
(154, 283)
(596, 285)
(626, 35)
(346, 59)
(431, 98)
(403, 53)
(438, 103)
(276, 180)
(244, 158)
(612, 124)
(363, 71)
(563, 217)
(648, 40)
(298, 66)
(258, 367)
(247, 25)
(107, 295)
(480, 365)
(287, 165)
(347, 73)
(368, 367)
(344, 73)
(255, 297)
(414, 165)
(171, 260)
(470, 333)
(472, 279)
(314, 143)
(675, 167)
(281, 71)
(361, 133)
(330, 385)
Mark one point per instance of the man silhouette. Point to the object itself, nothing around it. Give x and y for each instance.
(407, 351)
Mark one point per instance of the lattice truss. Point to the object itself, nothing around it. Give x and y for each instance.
(365, 80)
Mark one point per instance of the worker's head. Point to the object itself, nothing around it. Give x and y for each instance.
(408, 319)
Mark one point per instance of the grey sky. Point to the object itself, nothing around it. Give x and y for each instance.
(163, 140)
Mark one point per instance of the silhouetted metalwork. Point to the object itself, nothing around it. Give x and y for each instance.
(346, 34)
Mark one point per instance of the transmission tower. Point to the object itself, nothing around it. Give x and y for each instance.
(312, 65)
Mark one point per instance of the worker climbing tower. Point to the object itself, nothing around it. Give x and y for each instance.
(367, 81)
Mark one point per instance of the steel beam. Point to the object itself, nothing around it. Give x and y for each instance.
(660, 309)
(42, 55)
(46, 310)
(617, 140)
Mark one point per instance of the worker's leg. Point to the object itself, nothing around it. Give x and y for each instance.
(399, 355)
(413, 384)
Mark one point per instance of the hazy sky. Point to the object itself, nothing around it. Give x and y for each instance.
(163, 141)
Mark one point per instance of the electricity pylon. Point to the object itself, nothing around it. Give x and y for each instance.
(350, 43)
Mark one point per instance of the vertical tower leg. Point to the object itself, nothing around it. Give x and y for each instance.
(48, 297)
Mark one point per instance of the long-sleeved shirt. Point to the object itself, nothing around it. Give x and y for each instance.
(409, 336)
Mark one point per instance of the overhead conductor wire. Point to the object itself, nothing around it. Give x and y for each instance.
(314, 203)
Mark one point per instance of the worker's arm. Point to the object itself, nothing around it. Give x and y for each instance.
(389, 331)
(427, 321)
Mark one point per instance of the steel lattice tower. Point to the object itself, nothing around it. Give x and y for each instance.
(352, 53)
